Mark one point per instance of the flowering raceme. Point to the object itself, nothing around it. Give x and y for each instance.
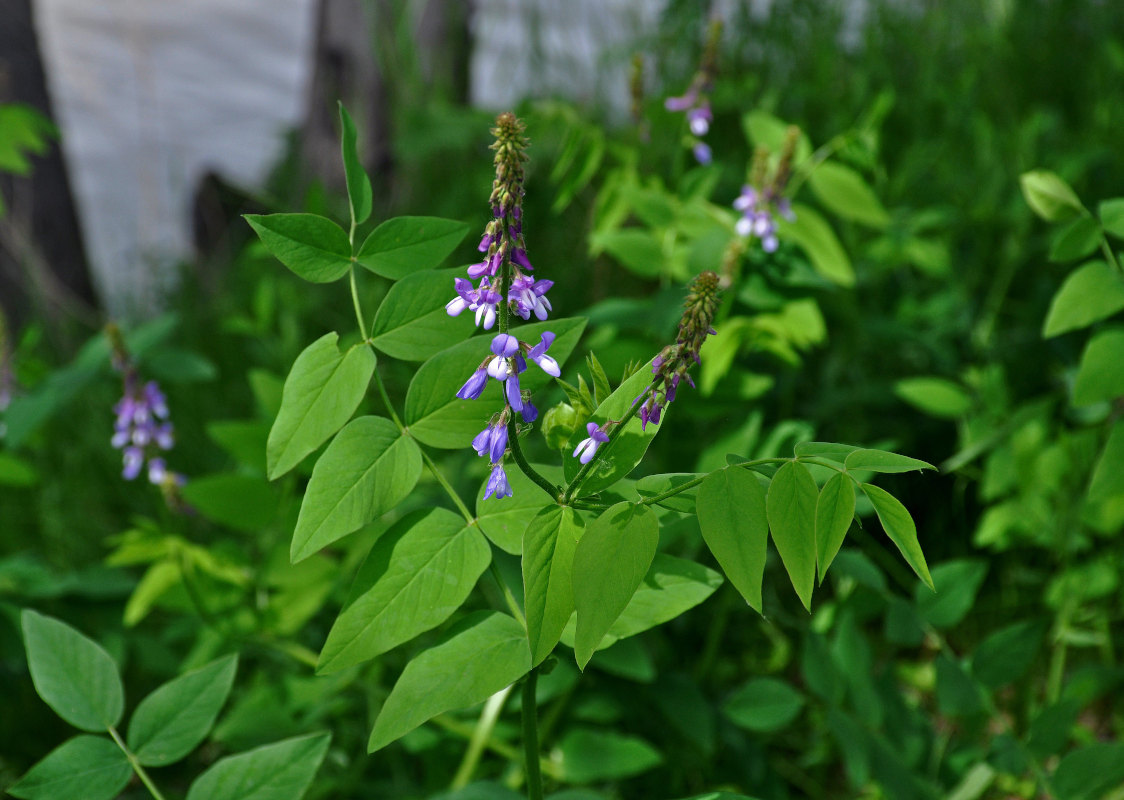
(762, 200)
(696, 100)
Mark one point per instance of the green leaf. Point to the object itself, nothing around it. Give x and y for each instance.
(243, 502)
(313, 247)
(844, 192)
(280, 771)
(763, 705)
(883, 461)
(157, 580)
(835, 508)
(635, 248)
(367, 470)
(957, 693)
(763, 129)
(359, 194)
(938, 397)
(732, 518)
(1105, 498)
(1087, 773)
(829, 451)
(412, 324)
(548, 559)
(403, 245)
(321, 393)
(438, 418)
(1090, 293)
(73, 674)
(610, 561)
(591, 756)
(620, 456)
(485, 652)
(504, 520)
(655, 485)
(899, 526)
(1100, 378)
(14, 471)
(959, 581)
(1076, 240)
(418, 573)
(812, 234)
(90, 767)
(176, 717)
(1049, 196)
(671, 587)
(1111, 213)
(791, 508)
(1006, 655)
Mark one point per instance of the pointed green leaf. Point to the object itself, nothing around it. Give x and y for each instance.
(321, 393)
(958, 582)
(418, 573)
(1076, 240)
(791, 508)
(844, 192)
(359, 194)
(1111, 213)
(1049, 196)
(548, 559)
(1100, 378)
(938, 397)
(483, 653)
(313, 247)
(403, 245)
(671, 587)
(899, 526)
(835, 509)
(412, 324)
(812, 234)
(731, 509)
(89, 767)
(883, 461)
(1090, 771)
(73, 674)
(1090, 293)
(176, 717)
(610, 561)
(763, 705)
(367, 470)
(762, 129)
(592, 756)
(280, 771)
(504, 520)
(829, 451)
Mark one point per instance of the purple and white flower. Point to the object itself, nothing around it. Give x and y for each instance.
(498, 486)
(587, 447)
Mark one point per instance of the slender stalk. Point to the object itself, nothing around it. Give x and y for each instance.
(531, 737)
(521, 460)
(1108, 254)
(647, 501)
(136, 765)
(479, 739)
(355, 302)
(389, 406)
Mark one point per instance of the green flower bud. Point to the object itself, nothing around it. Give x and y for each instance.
(559, 424)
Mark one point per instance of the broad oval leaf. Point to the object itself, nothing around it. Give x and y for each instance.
(844, 192)
(938, 397)
(73, 674)
(485, 652)
(835, 508)
(1100, 378)
(280, 771)
(417, 574)
(1090, 293)
(359, 193)
(883, 461)
(592, 756)
(610, 561)
(402, 245)
(899, 526)
(1076, 240)
(90, 767)
(732, 518)
(548, 560)
(958, 581)
(791, 508)
(438, 418)
(176, 717)
(367, 470)
(812, 234)
(412, 324)
(763, 705)
(504, 520)
(1049, 196)
(313, 247)
(321, 393)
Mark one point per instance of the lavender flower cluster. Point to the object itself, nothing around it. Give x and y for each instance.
(696, 100)
(759, 210)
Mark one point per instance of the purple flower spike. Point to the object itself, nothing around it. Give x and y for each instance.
(588, 447)
(485, 243)
(530, 413)
(699, 120)
(520, 258)
(497, 484)
(702, 153)
(474, 386)
(682, 103)
(514, 395)
(545, 362)
(485, 307)
(476, 270)
(134, 460)
(505, 345)
(499, 444)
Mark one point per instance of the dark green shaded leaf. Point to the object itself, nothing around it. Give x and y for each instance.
(589, 756)
(958, 694)
(763, 705)
(732, 518)
(313, 247)
(403, 245)
(1006, 655)
(505, 520)
(791, 508)
(240, 501)
(280, 771)
(89, 767)
(957, 583)
(1088, 773)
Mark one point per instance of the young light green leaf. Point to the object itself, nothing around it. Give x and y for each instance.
(548, 559)
(763, 705)
(938, 397)
(835, 509)
(883, 461)
(763, 129)
(418, 573)
(1111, 213)
(1049, 196)
(176, 717)
(483, 653)
(90, 767)
(899, 526)
(359, 194)
(313, 247)
(812, 234)
(1099, 378)
(321, 393)
(791, 508)
(366, 471)
(844, 192)
(73, 674)
(1090, 293)
(637, 249)
(403, 245)
(732, 518)
(610, 561)
(412, 324)
(280, 771)
(592, 756)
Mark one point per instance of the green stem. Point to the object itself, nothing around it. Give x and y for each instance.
(355, 302)
(521, 460)
(531, 737)
(1108, 254)
(386, 402)
(647, 501)
(136, 765)
(479, 740)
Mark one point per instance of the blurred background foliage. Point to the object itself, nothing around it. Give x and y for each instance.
(1000, 685)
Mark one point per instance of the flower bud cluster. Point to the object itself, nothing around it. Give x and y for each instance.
(696, 100)
(762, 200)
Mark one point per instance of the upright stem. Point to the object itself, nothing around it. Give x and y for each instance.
(479, 739)
(531, 737)
(136, 765)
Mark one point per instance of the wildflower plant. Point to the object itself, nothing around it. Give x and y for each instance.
(695, 102)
